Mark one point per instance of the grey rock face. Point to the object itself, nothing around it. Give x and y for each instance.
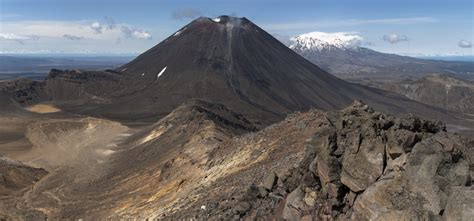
(460, 204)
(357, 164)
(293, 205)
(376, 167)
(270, 181)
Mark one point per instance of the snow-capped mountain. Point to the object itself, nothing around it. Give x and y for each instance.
(317, 41)
(341, 54)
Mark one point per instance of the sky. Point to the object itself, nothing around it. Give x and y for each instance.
(407, 27)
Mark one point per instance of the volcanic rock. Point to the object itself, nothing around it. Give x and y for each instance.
(15, 175)
(357, 178)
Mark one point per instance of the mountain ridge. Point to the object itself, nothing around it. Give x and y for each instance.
(342, 55)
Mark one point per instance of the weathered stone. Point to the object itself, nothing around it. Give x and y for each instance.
(410, 123)
(328, 169)
(363, 168)
(400, 141)
(313, 166)
(262, 191)
(430, 173)
(3, 181)
(460, 204)
(294, 202)
(394, 150)
(270, 181)
(350, 141)
(432, 126)
(242, 208)
(449, 142)
(307, 218)
(386, 200)
(420, 189)
(334, 189)
(310, 197)
(350, 198)
(396, 166)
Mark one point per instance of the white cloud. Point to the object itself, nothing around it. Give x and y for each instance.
(465, 44)
(394, 38)
(57, 29)
(50, 35)
(135, 33)
(348, 22)
(97, 27)
(18, 38)
(10, 36)
(142, 35)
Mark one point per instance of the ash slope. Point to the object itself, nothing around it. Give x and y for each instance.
(225, 60)
(135, 175)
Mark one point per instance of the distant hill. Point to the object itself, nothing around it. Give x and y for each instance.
(343, 57)
(438, 90)
(37, 67)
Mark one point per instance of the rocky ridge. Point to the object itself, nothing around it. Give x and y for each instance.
(360, 165)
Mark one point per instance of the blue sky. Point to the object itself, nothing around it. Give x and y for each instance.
(115, 27)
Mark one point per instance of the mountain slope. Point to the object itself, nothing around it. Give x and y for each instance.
(340, 55)
(233, 62)
(101, 169)
(203, 161)
(438, 90)
(225, 60)
(354, 164)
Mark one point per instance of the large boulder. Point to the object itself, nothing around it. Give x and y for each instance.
(460, 205)
(421, 189)
(294, 204)
(363, 168)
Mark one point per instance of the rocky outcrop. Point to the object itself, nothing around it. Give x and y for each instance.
(460, 204)
(15, 175)
(83, 86)
(372, 166)
(365, 165)
(23, 91)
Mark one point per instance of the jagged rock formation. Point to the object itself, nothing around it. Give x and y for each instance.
(74, 85)
(438, 90)
(359, 164)
(24, 91)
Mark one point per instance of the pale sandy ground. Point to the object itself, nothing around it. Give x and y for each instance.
(43, 108)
